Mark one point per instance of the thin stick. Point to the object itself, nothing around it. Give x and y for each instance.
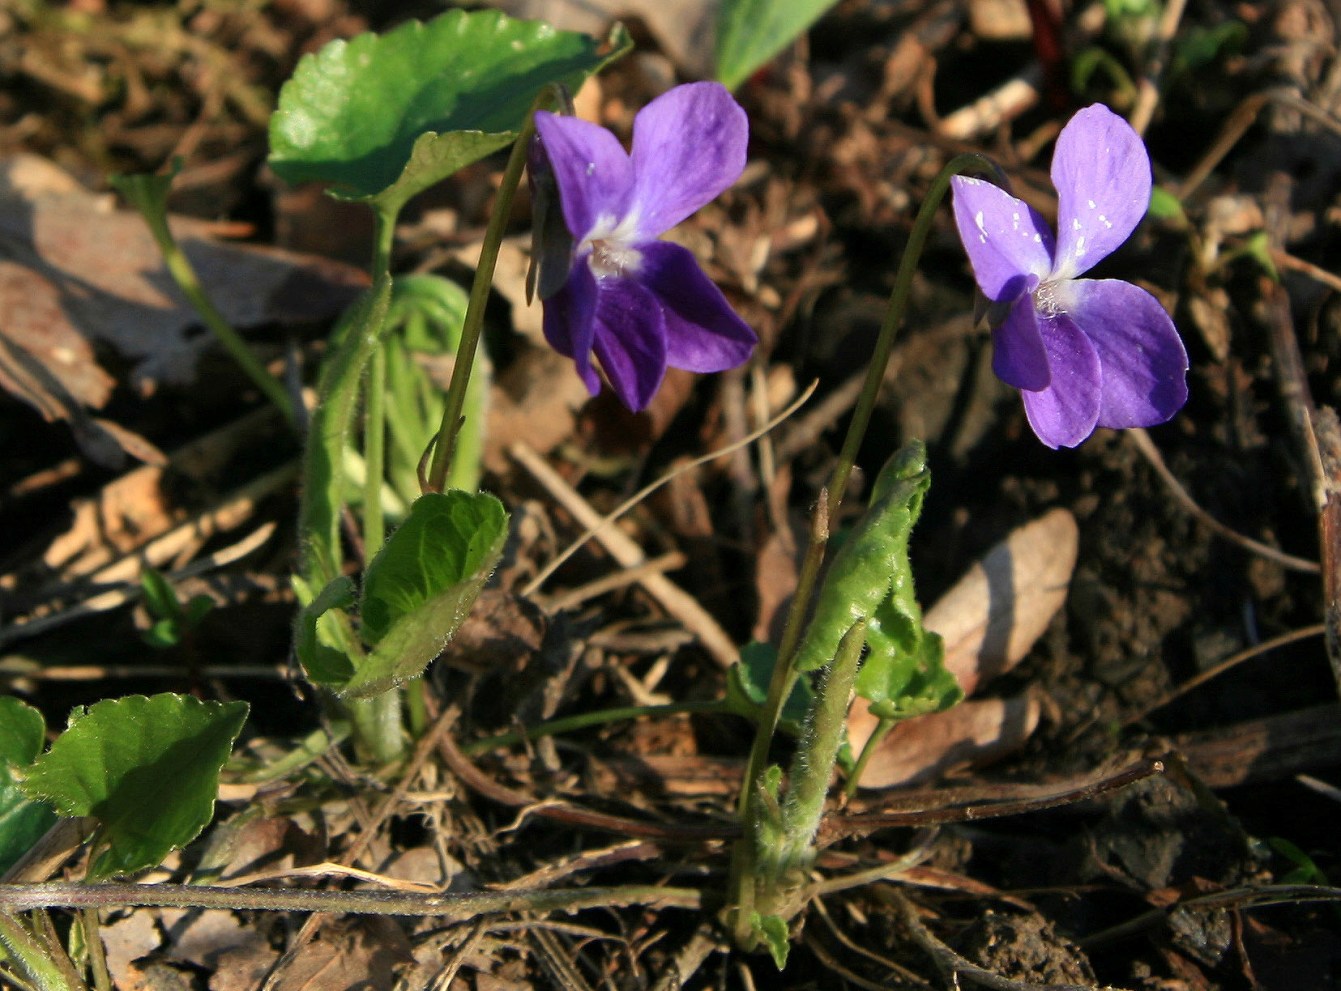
(1233, 661)
(675, 600)
(647, 490)
(1151, 453)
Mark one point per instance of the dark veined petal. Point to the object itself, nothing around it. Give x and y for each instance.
(630, 340)
(1144, 362)
(570, 322)
(1065, 413)
(1007, 241)
(1102, 173)
(688, 146)
(594, 173)
(1018, 355)
(703, 333)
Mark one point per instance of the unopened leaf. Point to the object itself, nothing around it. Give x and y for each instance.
(22, 820)
(412, 106)
(418, 589)
(318, 641)
(146, 768)
(872, 564)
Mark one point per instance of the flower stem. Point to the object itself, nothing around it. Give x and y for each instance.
(741, 883)
(479, 296)
(184, 274)
(881, 731)
(374, 454)
(812, 764)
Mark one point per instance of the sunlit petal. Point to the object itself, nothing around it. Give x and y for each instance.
(1008, 243)
(594, 174)
(1144, 363)
(688, 147)
(1102, 173)
(1065, 413)
(703, 333)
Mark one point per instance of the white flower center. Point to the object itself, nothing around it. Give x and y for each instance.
(611, 247)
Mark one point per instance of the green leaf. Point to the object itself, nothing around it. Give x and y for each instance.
(1165, 206)
(872, 565)
(159, 598)
(419, 587)
(772, 929)
(319, 640)
(904, 677)
(146, 768)
(747, 688)
(750, 32)
(412, 106)
(22, 820)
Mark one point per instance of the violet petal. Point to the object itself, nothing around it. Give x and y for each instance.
(1065, 413)
(570, 322)
(703, 333)
(1018, 355)
(595, 175)
(1008, 243)
(688, 146)
(1144, 362)
(630, 340)
(1102, 173)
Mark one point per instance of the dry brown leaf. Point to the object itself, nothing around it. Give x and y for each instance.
(75, 270)
(989, 621)
(992, 616)
(970, 734)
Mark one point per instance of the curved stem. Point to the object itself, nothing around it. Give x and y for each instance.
(479, 296)
(740, 885)
(374, 454)
(881, 731)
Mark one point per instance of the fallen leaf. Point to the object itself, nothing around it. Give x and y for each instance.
(989, 620)
(970, 734)
(75, 270)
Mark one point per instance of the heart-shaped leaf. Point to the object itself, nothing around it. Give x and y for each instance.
(146, 768)
(22, 820)
(418, 589)
(412, 106)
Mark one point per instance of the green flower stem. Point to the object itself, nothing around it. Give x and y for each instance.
(97, 959)
(338, 392)
(600, 717)
(479, 296)
(452, 907)
(813, 762)
(44, 966)
(378, 727)
(374, 454)
(740, 885)
(184, 274)
(898, 304)
(881, 731)
(374, 400)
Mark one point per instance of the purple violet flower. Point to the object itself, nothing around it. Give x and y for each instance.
(641, 304)
(1082, 352)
